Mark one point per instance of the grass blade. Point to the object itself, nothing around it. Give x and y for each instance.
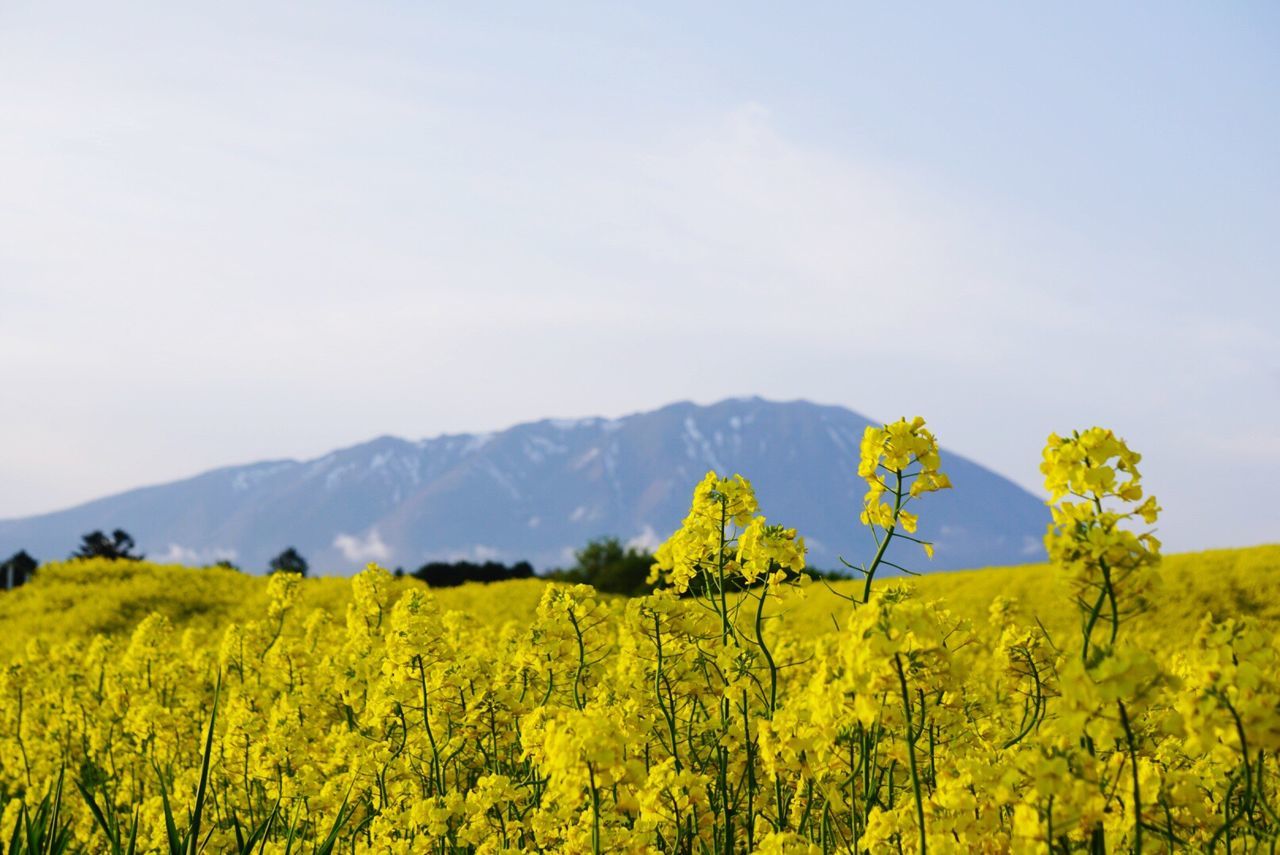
(109, 827)
(193, 833)
(176, 843)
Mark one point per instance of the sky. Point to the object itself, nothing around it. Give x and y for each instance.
(251, 230)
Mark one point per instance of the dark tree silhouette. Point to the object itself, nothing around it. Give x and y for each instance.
(17, 569)
(226, 565)
(119, 546)
(289, 561)
(607, 565)
(441, 574)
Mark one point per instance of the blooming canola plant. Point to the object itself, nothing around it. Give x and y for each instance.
(710, 717)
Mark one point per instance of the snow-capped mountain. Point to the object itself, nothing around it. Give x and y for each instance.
(537, 491)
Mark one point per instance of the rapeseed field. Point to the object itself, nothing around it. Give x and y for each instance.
(1110, 701)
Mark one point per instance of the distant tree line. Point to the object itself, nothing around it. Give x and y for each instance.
(449, 574)
(609, 566)
(119, 545)
(604, 563)
(19, 568)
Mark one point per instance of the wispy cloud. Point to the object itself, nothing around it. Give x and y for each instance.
(362, 549)
(245, 215)
(179, 554)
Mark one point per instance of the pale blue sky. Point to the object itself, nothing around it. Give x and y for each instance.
(261, 230)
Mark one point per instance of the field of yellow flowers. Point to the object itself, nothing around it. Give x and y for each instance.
(1107, 702)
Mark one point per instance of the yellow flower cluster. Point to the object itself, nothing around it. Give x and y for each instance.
(894, 448)
(891, 450)
(723, 540)
(711, 717)
(1106, 564)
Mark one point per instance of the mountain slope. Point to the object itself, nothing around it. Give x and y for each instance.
(538, 490)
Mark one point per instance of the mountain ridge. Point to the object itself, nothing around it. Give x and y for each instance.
(539, 489)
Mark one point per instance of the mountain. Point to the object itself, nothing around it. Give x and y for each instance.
(537, 491)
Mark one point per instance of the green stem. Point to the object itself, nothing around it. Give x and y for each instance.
(1137, 793)
(768, 656)
(595, 811)
(911, 751)
(870, 572)
(582, 660)
(720, 562)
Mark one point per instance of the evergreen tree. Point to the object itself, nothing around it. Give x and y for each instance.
(17, 569)
(607, 565)
(289, 561)
(118, 547)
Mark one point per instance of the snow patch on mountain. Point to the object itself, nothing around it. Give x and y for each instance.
(583, 460)
(574, 424)
(838, 440)
(538, 448)
(503, 480)
(697, 447)
(477, 441)
(250, 477)
(335, 476)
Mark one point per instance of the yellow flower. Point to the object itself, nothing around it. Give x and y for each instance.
(895, 448)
